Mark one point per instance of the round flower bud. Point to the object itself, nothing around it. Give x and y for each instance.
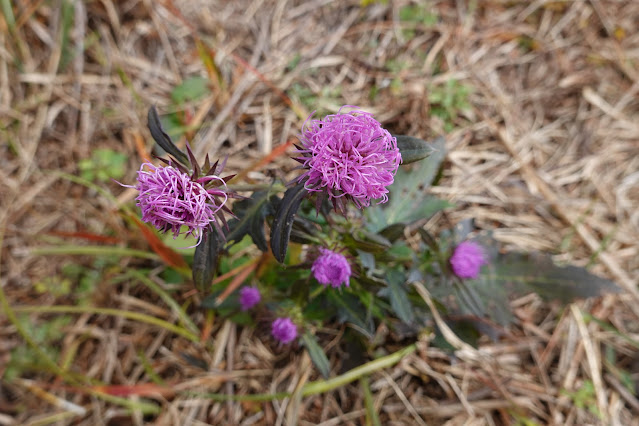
(249, 297)
(467, 260)
(331, 268)
(284, 330)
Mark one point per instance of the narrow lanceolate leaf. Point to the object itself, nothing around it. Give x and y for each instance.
(205, 260)
(251, 213)
(415, 149)
(162, 139)
(520, 273)
(283, 220)
(317, 354)
(351, 310)
(399, 297)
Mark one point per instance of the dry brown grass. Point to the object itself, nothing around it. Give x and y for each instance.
(547, 155)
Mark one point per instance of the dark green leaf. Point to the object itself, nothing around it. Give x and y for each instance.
(162, 138)
(408, 201)
(521, 273)
(303, 231)
(399, 297)
(393, 232)
(317, 354)
(414, 149)
(349, 309)
(367, 261)
(283, 220)
(251, 213)
(205, 260)
(401, 252)
(367, 241)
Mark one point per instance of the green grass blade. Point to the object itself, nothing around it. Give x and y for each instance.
(135, 316)
(372, 419)
(177, 309)
(92, 251)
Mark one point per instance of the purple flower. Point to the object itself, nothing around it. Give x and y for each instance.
(171, 198)
(249, 297)
(467, 260)
(331, 268)
(348, 156)
(284, 330)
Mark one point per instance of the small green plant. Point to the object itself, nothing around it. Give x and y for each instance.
(191, 89)
(448, 100)
(103, 165)
(584, 397)
(417, 15)
(396, 66)
(320, 102)
(45, 334)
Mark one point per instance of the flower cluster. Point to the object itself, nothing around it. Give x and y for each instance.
(331, 268)
(467, 260)
(348, 156)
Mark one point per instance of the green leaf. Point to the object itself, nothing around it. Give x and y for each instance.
(283, 220)
(205, 260)
(399, 297)
(317, 354)
(366, 241)
(251, 213)
(162, 139)
(522, 273)
(393, 232)
(191, 88)
(350, 309)
(414, 149)
(407, 199)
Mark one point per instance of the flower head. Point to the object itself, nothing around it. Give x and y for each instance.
(249, 297)
(348, 156)
(467, 260)
(284, 330)
(170, 198)
(331, 268)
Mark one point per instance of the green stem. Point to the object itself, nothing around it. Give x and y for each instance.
(321, 386)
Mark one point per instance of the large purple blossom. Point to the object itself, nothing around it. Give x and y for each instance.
(331, 268)
(284, 330)
(249, 297)
(348, 156)
(170, 198)
(467, 260)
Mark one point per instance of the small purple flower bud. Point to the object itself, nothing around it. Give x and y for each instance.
(284, 330)
(348, 156)
(467, 260)
(249, 297)
(331, 268)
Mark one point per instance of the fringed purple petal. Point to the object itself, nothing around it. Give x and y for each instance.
(348, 154)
